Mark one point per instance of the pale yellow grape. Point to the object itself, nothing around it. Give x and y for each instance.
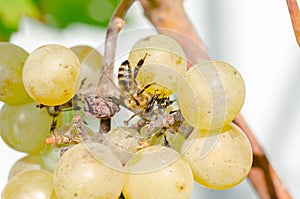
(91, 64)
(27, 163)
(219, 160)
(160, 50)
(166, 79)
(12, 60)
(81, 173)
(170, 180)
(51, 74)
(218, 95)
(25, 127)
(35, 184)
(123, 141)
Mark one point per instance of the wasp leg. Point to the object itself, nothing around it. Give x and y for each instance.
(145, 87)
(151, 104)
(126, 122)
(139, 65)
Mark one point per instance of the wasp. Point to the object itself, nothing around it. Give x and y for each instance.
(136, 98)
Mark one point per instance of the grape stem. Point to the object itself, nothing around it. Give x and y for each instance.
(170, 14)
(105, 85)
(295, 17)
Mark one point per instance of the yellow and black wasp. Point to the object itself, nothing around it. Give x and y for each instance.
(135, 97)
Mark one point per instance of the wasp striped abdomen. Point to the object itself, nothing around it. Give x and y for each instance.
(126, 79)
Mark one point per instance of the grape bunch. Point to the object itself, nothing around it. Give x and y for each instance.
(180, 129)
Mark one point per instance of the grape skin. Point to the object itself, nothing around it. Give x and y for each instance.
(27, 163)
(219, 160)
(12, 59)
(161, 50)
(214, 95)
(123, 141)
(157, 175)
(25, 128)
(50, 156)
(80, 174)
(51, 74)
(34, 184)
(91, 65)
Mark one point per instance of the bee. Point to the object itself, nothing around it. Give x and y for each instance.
(136, 98)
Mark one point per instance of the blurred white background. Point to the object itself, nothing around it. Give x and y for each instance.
(254, 36)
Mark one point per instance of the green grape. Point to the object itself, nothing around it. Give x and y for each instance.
(175, 140)
(12, 59)
(167, 178)
(25, 128)
(66, 135)
(50, 156)
(34, 184)
(51, 74)
(84, 172)
(218, 94)
(27, 163)
(158, 50)
(91, 64)
(219, 160)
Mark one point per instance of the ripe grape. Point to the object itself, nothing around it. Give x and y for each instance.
(217, 96)
(51, 74)
(27, 163)
(34, 184)
(158, 50)
(219, 160)
(166, 79)
(25, 127)
(91, 64)
(152, 173)
(83, 172)
(12, 59)
(123, 141)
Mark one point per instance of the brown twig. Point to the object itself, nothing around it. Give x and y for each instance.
(105, 85)
(262, 175)
(170, 14)
(295, 17)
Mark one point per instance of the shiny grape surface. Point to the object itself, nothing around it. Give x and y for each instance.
(51, 74)
(12, 60)
(25, 127)
(218, 94)
(81, 173)
(219, 160)
(35, 184)
(27, 163)
(157, 50)
(169, 180)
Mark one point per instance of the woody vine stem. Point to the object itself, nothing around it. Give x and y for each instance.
(164, 15)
